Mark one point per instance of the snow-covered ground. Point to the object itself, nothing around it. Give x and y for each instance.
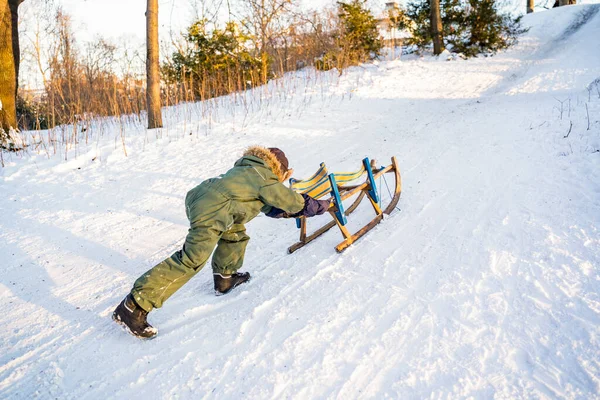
(484, 285)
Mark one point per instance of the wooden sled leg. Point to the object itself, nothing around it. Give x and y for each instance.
(311, 237)
(303, 229)
(343, 229)
(375, 206)
(353, 238)
(323, 229)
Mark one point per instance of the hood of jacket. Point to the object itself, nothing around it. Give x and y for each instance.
(267, 157)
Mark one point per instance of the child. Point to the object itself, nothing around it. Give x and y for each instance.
(217, 210)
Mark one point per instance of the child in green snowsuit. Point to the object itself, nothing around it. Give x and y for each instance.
(217, 210)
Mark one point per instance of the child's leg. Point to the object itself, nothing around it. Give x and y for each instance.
(229, 255)
(153, 288)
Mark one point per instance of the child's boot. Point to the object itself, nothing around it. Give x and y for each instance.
(224, 283)
(133, 318)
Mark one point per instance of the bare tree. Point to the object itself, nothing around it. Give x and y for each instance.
(152, 66)
(436, 27)
(99, 57)
(263, 18)
(530, 6)
(38, 34)
(9, 62)
(206, 9)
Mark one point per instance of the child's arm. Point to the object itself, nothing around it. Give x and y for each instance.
(311, 208)
(278, 196)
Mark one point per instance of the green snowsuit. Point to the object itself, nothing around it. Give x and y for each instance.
(217, 210)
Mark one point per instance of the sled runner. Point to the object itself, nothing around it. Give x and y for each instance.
(342, 186)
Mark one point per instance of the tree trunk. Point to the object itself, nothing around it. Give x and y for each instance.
(530, 5)
(14, 7)
(8, 77)
(152, 70)
(436, 27)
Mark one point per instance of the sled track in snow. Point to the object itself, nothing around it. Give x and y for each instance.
(583, 17)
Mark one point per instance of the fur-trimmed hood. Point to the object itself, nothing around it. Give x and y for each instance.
(269, 158)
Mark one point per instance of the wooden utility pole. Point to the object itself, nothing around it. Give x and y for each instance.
(436, 27)
(152, 67)
(530, 5)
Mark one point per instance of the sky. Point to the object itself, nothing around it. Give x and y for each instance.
(115, 18)
(125, 18)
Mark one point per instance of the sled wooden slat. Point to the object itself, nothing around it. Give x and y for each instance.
(319, 185)
(345, 177)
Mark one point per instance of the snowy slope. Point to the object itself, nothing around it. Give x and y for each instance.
(484, 285)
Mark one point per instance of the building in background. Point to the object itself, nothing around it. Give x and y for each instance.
(387, 23)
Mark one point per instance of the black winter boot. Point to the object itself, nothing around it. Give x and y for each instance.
(224, 283)
(133, 318)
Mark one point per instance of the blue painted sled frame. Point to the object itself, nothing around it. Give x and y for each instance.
(339, 212)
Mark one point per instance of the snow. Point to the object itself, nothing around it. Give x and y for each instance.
(484, 285)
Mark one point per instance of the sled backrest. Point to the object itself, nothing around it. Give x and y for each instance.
(319, 184)
(316, 186)
(344, 178)
(322, 183)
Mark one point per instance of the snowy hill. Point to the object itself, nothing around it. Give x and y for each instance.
(485, 284)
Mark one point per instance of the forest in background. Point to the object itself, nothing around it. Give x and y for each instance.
(260, 40)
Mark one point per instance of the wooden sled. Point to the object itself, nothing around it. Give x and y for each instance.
(342, 186)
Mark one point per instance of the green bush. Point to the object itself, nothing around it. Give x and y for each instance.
(326, 62)
(214, 63)
(354, 40)
(359, 36)
(31, 114)
(469, 27)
